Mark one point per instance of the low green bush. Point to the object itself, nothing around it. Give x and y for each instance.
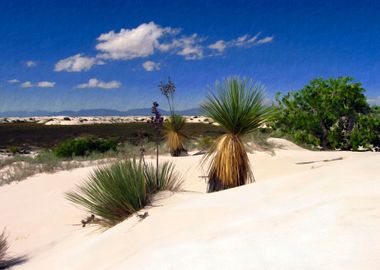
(113, 193)
(13, 150)
(329, 114)
(83, 146)
(366, 132)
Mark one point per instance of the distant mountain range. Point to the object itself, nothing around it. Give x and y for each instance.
(94, 112)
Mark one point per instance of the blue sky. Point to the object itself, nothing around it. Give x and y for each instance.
(72, 55)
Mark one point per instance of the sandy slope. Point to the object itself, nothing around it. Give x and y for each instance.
(307, 210)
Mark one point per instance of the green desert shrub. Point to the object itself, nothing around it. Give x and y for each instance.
(13, 150)
(331, 114)
(5, 260)
(113, 193)
(366, 132)
(83, 146)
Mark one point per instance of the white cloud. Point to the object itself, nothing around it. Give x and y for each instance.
(374, 101)
(245, 41)
(13, 81)
(76, 63)
(95, 83)
(143, 40)
(220, 46)
(151, 66)
(46, 84)
(132, 43)
(26, 84)
(190, 47)
(149, 38)
(31, 64)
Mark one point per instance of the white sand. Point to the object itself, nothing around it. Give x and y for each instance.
(320, 215)
(90, 120)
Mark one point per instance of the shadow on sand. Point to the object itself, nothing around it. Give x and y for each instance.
(323, 160)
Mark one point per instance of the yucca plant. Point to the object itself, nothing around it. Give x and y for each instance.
(5, 260)
(173, 127)
(174, 135)
(237, 106)
(113, 193)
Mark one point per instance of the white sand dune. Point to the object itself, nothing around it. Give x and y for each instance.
(307, 210)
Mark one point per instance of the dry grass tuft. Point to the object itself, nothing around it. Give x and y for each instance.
(230, 164)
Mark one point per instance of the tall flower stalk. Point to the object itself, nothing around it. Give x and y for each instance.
(174, 126)
(157, 121)
(237, 106)
(168, 90)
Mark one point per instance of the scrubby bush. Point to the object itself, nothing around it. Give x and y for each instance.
(83, 146)
(5, 260)
(331, 114)
(115, 192)
(366, 132)
(13, 150)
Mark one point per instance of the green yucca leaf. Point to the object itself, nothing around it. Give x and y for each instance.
(175, 123)
(237, 106)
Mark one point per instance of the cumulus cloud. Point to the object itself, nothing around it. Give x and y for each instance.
(374, 101)
(190, 47)
(26, 84)
(245, 41)
(45, 84)
(132, 43)
(95, 83)
(149, 38)
(76, 63)
(31, 64)
(13, 81)
(151, 66)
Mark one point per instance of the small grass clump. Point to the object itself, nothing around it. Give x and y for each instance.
(5, 260)
(115, 192)
(168, 179)
(83, 146)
